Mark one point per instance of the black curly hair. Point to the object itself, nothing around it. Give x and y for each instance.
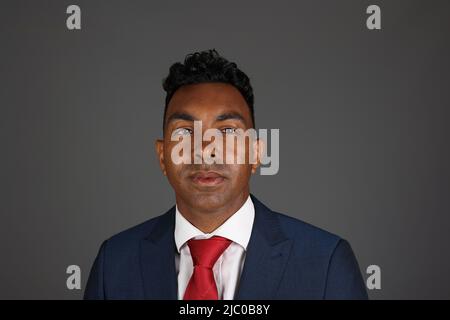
(207, 66)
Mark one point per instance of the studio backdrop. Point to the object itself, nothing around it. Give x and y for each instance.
(359, 91)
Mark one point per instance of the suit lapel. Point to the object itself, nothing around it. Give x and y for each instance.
(157, 259)
(266, 256)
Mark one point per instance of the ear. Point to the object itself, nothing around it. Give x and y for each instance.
(159, 147)
(258, 149)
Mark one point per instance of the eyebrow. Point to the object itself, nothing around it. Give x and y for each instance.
(231, 116)
(180, 116)
(187, 117)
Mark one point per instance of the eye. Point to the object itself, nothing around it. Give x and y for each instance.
(182, 132)
(229, 130)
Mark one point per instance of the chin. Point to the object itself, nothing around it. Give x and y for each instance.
(208, 200)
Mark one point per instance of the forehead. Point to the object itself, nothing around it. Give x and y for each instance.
(208, 99)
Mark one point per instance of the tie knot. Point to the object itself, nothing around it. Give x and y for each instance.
(205, 252)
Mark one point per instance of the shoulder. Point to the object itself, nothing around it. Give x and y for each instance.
(323, 256)
(130, 238)
(307, 238)
(293, 228)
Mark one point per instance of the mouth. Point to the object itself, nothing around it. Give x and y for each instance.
(207, 179)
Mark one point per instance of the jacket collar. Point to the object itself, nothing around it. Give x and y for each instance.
(266, 257)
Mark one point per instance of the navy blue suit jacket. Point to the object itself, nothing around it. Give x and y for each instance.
(286, 259)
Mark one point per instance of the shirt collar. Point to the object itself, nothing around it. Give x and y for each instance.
(237, 228)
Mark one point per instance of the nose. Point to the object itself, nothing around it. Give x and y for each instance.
(203, 152)
(209, 148)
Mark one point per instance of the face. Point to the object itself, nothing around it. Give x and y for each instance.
(207, 187)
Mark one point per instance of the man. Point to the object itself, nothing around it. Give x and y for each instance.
(219, 241)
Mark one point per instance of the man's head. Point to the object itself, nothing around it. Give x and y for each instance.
(210, 89)
(206, 67)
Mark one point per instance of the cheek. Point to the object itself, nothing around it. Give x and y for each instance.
(240, 174)
(168, 157)
(235, 152)
(173, 171)
(175, 179)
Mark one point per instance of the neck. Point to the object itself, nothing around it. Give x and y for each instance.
(209, 220)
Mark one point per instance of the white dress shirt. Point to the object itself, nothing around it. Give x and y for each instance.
(227, 270)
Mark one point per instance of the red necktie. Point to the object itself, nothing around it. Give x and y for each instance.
(204, 253)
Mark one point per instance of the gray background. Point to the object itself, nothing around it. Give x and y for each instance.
(363, 118)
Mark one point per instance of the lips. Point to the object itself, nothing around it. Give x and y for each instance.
(209, 178)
